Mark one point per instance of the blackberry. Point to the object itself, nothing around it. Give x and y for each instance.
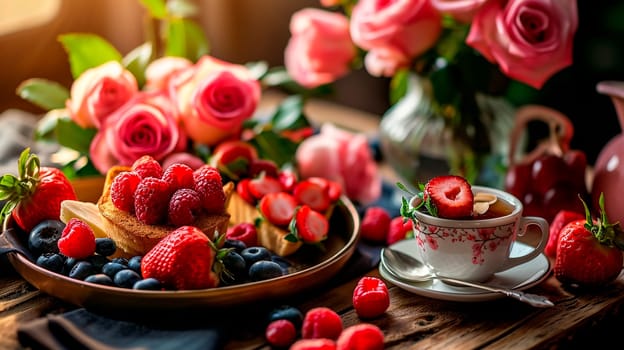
(105, 246)
(51, 261)
(264, 270)
(126, 278)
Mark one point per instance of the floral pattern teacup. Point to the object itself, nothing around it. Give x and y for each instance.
(475, 249)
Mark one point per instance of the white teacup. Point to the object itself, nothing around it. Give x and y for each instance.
(475, 249)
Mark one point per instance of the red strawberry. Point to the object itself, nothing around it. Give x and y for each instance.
(450, 196)
(182, 260)
(280, 333)
(122, 190)
(242, 188)
(245, 232)
(589, 253)
(278, 208)
(399, 229)
(370, 297)
(312, 193)
(151, 200)
(288, 179)
(314, 344)
(259, 166)
(334, 189)
(147, 166)
(309, 225)
(321, 322)
(77, 240)
(375, 224)
(262, 185)
(361, 336)
(36, 194)
(562, 218)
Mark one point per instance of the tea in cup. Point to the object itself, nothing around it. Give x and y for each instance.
(476, 247)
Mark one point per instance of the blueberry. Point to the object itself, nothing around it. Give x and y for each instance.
(120, 260)
(264, 270)
(287, 312)
(82, 269)
(111, 268)
(285, 264)
(135, 263)
(69, 265)
(147, 284)
(98, 261)
(236, 268)
(99, 278)
(51, 261)
(238, 245)
(126, 278)
(43, 238)
(105, 246)
(253, 254)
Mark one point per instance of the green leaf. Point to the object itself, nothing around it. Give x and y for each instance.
(70, 135)
(175, 45)
(185, 39)
(398, 86)
(46, 126)
(289, 114)
(87, 51)
(275, 147)
(43, 93)
(137, 60)
(156, 8)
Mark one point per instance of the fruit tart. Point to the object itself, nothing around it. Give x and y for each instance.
(142, 204)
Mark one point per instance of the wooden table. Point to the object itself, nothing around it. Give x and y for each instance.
(579, 318)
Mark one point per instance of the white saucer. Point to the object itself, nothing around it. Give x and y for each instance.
(520, 277)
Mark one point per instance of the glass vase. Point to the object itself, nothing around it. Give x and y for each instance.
(419, 142)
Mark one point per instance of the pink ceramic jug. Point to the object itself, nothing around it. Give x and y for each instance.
(609, 167)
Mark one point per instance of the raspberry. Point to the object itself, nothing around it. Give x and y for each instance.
(209, 185)
(147, 166)
(77, 240)
(321, 322)
(151, 200)
(398, 230)
(280, 333)
(363, 336)
(245, 232)
(178, 176)
(314, 344)
(184, 206)
(375, 224)
(122, 190)
(370, 297)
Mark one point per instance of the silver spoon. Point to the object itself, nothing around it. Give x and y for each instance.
(410, 269)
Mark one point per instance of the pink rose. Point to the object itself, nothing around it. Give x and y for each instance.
(343, 157)
(320, 49)
(144, 125)
(159, 72)
(214, 98)
(98, 92)
(385, 61)
(529, 39)
(461, 10)
(407, 26)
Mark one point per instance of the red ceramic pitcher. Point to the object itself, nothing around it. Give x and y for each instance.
(609, 167)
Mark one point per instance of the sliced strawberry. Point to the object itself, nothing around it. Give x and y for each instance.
(312, 193)
(278, 207)
(334, 189)
(259, 166)
(242, 188)
(233, 156)
(310, 225)
(451, 196)
(263, 185)
(288, 179)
